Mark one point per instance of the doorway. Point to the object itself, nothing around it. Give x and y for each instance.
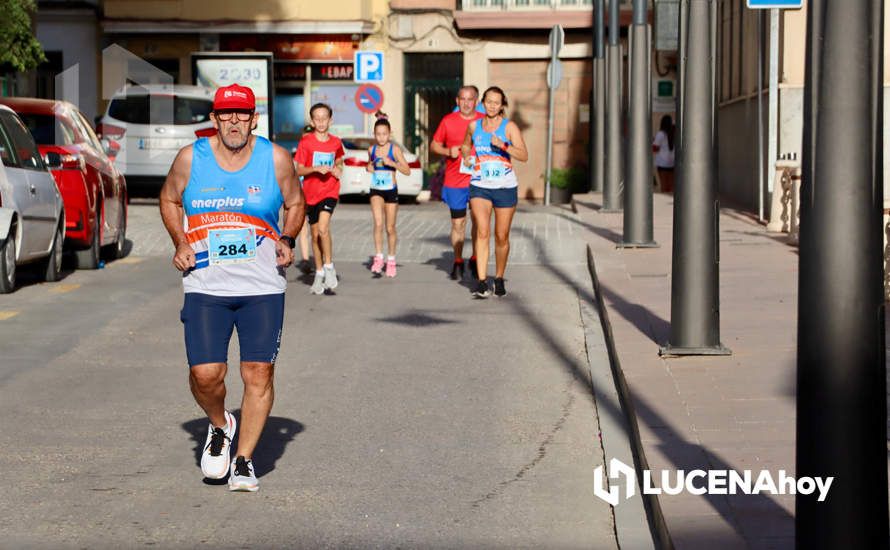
(431, 84)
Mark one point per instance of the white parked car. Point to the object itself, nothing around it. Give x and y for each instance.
(149, 124)
(356, 179)
(32, 217)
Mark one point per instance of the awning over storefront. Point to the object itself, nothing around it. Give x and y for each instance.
(113, 26)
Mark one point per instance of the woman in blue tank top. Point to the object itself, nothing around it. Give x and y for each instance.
(493, 186)
(384, 159)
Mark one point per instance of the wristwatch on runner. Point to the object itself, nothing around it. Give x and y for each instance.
(289, 241)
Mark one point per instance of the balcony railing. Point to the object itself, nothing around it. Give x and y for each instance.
(488, 5)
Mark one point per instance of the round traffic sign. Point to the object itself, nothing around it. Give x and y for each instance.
(369, 98)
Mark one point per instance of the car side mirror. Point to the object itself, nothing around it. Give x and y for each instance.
(52, 160)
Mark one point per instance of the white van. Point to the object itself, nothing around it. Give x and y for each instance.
(147, 125)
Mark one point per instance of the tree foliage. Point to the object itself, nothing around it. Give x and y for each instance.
(18, 46)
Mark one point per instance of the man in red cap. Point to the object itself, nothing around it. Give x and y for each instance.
(221, 204)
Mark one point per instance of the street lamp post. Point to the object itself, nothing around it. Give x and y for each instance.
(841, 372)
(638, 188)
(695, 297)
(614, 156)
(598, 128)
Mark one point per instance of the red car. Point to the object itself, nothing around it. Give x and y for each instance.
(93, 190)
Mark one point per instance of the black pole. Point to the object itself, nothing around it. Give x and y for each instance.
(841, 372)
(638, 189)
(695, 303)
(599, 101)
(683, 25)
(614, 155)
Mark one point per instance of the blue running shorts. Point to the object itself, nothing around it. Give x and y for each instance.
(457, 199)
(506, 197)
(208, 322)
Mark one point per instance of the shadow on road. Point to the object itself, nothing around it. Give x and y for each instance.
(277, 433)
(444, 263)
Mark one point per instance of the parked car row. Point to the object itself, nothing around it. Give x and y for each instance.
(59, 190)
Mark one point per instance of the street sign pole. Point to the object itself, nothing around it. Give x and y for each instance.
(841, 348)
(695, 297)
(614, 157)
(772, 151)
(638, 187)
(554, 75)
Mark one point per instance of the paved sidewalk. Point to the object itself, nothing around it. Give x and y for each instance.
(735, 412)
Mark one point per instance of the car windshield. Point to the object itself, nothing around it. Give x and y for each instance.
(144, 109)
(48, 130)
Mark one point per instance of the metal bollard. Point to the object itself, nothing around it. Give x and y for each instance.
(784, 210)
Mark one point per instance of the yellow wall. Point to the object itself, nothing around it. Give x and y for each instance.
(794, 43)
(238, 10)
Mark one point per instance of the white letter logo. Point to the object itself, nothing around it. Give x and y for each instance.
(617, 469)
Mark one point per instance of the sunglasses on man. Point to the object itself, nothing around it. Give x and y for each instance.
(225, 116)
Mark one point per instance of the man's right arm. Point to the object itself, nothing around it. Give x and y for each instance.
(172, 212)
(439, 149)
(437, 144)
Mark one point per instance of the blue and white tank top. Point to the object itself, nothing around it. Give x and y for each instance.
(383, 178)
(493, 169)
(232, 224)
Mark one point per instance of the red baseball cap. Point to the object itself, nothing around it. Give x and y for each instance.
(234, 96)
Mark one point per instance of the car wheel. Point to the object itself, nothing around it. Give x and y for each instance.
(89, 258)
(7, 263)
(54, 262)
(116, 251)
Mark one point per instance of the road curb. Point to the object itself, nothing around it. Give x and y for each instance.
(639, 522)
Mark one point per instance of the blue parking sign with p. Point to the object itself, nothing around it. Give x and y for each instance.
(368, 66)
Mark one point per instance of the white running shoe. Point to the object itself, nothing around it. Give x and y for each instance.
(216, 456)
(318, 284)
(330, 278)
(242, 477)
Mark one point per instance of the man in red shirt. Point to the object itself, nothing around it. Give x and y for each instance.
(319, 159)
(447, 140)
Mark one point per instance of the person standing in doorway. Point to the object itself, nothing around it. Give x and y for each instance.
(663, 147)
(447, 141)
(319, 159)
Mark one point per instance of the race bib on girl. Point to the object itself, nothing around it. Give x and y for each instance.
(492, 170)
(383, 180)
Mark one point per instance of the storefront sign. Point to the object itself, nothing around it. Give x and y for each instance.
(318, 71)
(213, 70)
(332, 71)
(327, 48)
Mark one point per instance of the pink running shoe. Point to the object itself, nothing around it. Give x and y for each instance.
(390, 268)
(377, 265)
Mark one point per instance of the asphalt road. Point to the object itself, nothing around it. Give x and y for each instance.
(407, 414)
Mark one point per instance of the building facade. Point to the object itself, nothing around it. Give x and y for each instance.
(743, 52)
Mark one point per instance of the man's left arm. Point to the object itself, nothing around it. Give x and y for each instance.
(294, 205)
